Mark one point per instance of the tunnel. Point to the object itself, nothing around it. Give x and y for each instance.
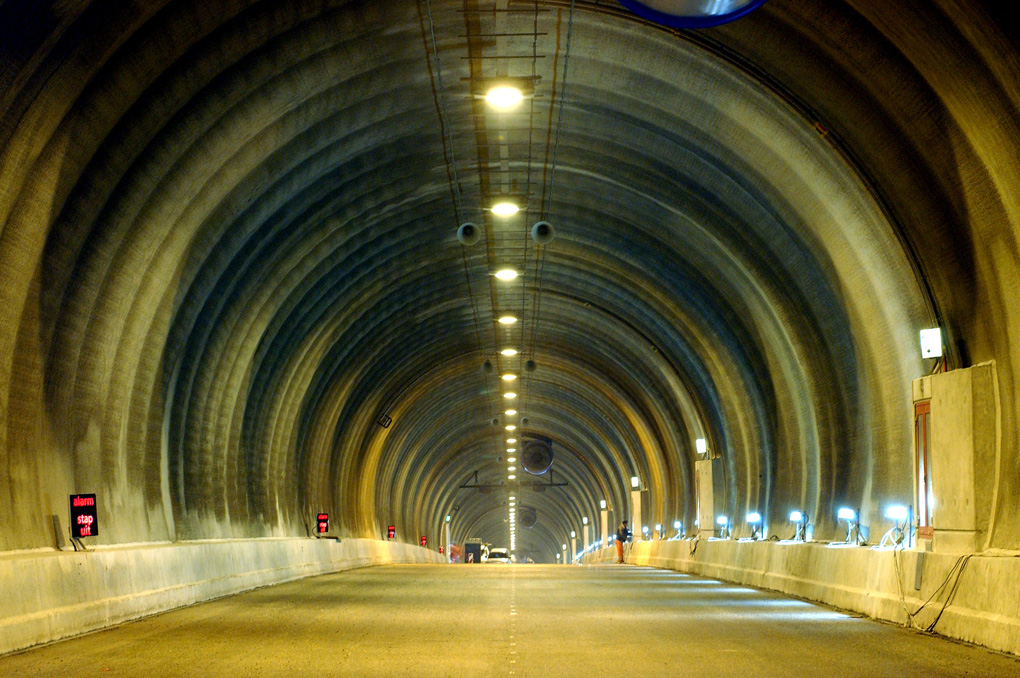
(285, 290)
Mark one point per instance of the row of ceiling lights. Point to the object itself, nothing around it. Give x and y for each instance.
(504, 98)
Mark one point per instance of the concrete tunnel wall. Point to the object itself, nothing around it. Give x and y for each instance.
(228, 246)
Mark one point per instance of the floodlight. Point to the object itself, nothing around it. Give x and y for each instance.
(846, 514)
(796, 516)
(898, 513)
(677, 524)
(754, 518)
(701, 445)
(584, 520)
(602, 504)
(635, 481)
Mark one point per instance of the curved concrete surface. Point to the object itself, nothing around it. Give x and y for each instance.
(530, 621)
(228, 251)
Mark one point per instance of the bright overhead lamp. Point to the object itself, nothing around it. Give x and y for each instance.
(511, 477)
(701, 445)
(510, 427)
(512, 504)
(508, 352)
(510, 412)
(602, 504)
(513, 498)
(506, 274)
(584, 520)
(635, 481)
(510, 441)
(507, 319)
(508, 395)
(511, 468)
(846, 514)
(505, 208)
(504, 97)
(509, 377)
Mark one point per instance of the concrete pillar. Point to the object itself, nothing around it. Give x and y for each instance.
(605, 525)
(635, 513)
(573, 548)
(584, 532)
(706, 503)
(446, 540)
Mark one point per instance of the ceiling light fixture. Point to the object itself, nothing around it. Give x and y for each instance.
(505, 208)
(509, 377)
(506, 274)
(504, 97)
(507, 320)
(510, 427)
(509, 352)
(510, 412)
(508, 396)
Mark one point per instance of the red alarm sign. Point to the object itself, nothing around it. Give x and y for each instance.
(322, 523)
(391, 532)
(84, 518)
(423, 540)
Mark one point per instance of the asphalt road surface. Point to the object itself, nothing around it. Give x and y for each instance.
(507, 620)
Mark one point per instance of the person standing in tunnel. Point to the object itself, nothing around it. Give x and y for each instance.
(622, 535)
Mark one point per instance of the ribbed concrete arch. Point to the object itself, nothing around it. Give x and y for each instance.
(229, 247)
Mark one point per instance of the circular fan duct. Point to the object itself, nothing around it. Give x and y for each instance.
(536, 457)
(691, 13)
(527, 518)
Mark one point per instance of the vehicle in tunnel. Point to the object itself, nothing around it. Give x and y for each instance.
(498, 555)
(475, 551)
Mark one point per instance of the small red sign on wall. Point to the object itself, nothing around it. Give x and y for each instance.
(84, 516)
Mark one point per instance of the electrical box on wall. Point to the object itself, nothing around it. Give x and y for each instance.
(955, 423)
(708, 476)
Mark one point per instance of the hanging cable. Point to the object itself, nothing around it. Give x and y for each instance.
(548, 198)
(447, 135)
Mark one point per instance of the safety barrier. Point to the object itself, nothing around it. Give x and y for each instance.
(48, 595)
(968, 597)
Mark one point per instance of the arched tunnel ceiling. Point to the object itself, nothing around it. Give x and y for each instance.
(229, 248)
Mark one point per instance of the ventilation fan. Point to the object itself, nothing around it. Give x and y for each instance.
(536, 457)
(526, 518)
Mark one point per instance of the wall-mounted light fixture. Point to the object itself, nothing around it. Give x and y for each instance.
(724, 527)
(799, 519)
(634, 482)
(853, 525)
(754, 520)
